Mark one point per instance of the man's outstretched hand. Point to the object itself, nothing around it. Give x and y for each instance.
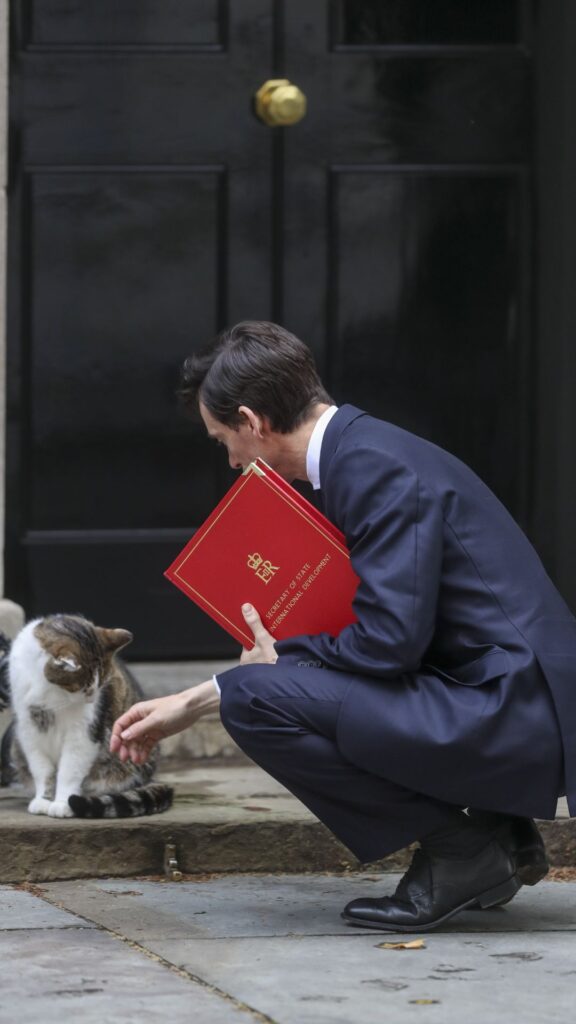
(140, 728)
(263, 650)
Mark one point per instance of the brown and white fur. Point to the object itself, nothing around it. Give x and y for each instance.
(67, 688)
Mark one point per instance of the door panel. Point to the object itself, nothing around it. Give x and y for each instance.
(411, 186)
(419, 22)
(124, 239)
(102, 23)
(149, 207)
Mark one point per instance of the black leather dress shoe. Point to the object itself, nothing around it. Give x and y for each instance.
(435, 888)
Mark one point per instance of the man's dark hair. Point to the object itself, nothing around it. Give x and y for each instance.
(257, 364)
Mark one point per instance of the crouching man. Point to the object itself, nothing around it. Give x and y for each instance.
(447, 713)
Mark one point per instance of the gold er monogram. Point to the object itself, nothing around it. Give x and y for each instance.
(262, 567)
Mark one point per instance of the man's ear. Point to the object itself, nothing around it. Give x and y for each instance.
(257, 423)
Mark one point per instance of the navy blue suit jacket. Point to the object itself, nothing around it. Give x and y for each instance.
(462, 663)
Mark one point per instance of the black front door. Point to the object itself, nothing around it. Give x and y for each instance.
(149, 207)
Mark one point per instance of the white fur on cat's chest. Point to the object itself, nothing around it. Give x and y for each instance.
(52, 726)
(30, 687)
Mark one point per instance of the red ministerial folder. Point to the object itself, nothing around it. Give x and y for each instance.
(267, 545)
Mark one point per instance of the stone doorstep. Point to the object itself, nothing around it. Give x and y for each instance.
(227, 817)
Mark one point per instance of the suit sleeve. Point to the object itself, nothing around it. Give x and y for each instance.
(394, 530)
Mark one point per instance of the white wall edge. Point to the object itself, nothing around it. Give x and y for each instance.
(4, 64)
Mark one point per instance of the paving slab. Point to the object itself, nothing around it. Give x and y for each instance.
(256, 905)
(89, 976)
(314, 980)
(23, 910)
(278, 946)
(301, 980)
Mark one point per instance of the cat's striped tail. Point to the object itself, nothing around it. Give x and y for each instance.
(150, 799)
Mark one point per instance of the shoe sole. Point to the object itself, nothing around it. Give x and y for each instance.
(492, 897)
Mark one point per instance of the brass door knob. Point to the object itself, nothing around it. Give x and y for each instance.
(278, 102)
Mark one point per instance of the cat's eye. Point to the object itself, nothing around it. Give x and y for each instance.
(68, 664)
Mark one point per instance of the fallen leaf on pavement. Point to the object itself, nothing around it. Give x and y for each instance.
(413, 944)
(561, 875)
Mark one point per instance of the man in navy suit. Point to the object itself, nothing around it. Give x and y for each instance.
(447, 712)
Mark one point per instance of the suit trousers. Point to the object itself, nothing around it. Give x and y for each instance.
(285, 717)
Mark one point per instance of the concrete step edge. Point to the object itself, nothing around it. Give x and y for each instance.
(126, 847)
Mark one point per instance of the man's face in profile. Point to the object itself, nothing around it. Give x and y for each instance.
(242, 445)
(253, 439)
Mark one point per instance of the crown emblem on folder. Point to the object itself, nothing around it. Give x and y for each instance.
(262, 567)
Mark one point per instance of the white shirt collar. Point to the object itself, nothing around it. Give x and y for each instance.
(315, 446)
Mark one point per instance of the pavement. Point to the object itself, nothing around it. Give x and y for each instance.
(241, 948)
(238, 939)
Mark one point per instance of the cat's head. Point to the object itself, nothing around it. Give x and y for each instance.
(78, 653)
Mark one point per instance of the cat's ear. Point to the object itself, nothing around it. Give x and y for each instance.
(115, 639)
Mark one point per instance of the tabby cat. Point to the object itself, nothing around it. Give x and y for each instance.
(67, 688)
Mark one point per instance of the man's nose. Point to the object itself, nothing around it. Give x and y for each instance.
(233, 462)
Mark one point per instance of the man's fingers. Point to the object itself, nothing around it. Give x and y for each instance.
(126, 720)
(123, 753)
(131, 725)
(137, 730)
(137, 752)
(140, 752)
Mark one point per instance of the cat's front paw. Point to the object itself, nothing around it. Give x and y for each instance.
(39, 805)
(60, 809)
